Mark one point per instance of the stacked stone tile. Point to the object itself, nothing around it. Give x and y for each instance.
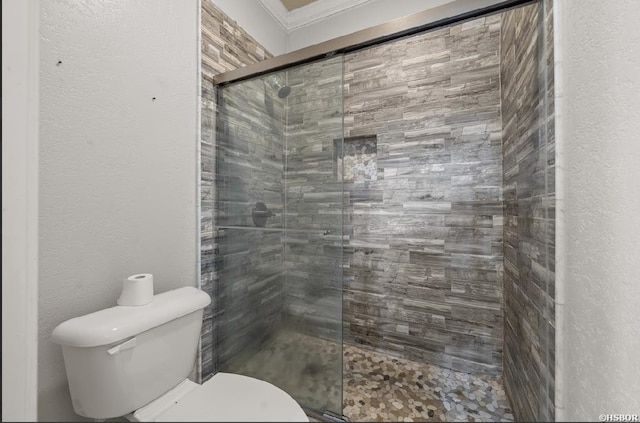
(424, 276)
(225, 46)
(529, 230)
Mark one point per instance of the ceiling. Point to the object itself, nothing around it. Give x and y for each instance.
(294, 14)
(295, 4)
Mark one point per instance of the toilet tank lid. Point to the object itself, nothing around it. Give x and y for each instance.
(114, 324)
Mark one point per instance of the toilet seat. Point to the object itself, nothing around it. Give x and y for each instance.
(225, 398)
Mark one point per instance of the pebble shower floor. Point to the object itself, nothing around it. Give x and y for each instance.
(376, 387)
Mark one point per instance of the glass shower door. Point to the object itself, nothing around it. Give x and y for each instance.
(313, 241)
(278, 228)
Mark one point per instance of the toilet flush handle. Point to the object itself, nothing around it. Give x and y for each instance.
(121, 347)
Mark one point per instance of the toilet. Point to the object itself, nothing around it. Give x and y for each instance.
(134, 361)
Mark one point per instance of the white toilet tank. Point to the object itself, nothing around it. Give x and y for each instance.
(121, 358)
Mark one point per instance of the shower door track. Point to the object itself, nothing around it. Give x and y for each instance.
(445, 15)
(327, 416)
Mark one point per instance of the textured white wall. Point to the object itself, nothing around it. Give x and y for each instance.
(20, 41)
(118, 170)
(258, 23)
(598, 189)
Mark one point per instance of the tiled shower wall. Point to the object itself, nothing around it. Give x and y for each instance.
(529, 227)
(424, 279)
(314, 197)
(226, 46)
(249, 274)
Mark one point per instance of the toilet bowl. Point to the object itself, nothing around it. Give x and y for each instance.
(134, 361)
(225, 397)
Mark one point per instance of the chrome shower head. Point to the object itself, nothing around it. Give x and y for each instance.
(276, 83)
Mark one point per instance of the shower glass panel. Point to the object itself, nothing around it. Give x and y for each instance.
(278, 230)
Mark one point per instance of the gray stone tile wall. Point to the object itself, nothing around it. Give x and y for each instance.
(225, 46)
(314, 200)
(425, 277)
(424, 237)
(529, 223)
(248, 270)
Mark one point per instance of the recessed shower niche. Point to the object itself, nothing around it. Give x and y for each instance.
(356, 158)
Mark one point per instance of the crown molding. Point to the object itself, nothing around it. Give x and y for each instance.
(277, 12)
(309, 14)
(319, 10)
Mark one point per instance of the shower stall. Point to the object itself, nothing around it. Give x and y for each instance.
(383, 217)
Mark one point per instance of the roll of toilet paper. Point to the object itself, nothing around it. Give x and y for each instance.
(137, 290)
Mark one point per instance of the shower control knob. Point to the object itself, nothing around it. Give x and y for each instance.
(260, 214)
